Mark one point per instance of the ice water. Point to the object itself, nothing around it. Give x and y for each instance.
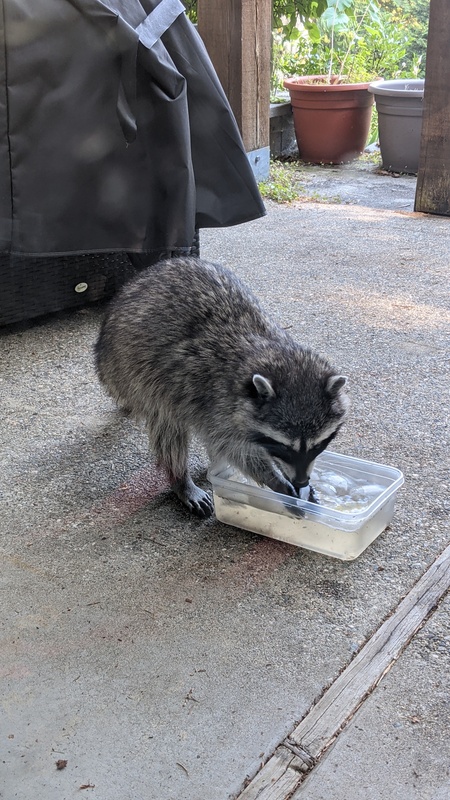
(342, 493)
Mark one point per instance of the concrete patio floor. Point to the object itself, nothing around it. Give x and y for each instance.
(166, 658)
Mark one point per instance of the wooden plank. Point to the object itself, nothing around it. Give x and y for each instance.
(255, 83)
(433, 180)
(349, 690)
(237, 35)
(278, 778)
(220, 26)
(326, 719)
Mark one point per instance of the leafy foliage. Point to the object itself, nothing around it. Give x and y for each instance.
(191, 9)
(283, 184)
(288, 14)
(363, 38)
(413, 14)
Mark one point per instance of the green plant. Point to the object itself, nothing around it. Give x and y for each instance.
(361, 39)
(191, 9)
(283, 184)
(345, 21)
(411, 15)
(366, 41)
(373, 132)
(289, 16)
(371, 38)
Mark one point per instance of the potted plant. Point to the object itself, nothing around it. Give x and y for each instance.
(332, 112)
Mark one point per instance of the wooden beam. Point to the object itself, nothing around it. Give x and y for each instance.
(433, 180)
(237, 35)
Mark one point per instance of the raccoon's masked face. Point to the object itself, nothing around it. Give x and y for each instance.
(295, 456)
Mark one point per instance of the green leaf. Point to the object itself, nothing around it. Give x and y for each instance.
(334, 20)
(313, 33)
(340, 5)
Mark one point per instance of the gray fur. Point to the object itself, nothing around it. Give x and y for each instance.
(186, 348)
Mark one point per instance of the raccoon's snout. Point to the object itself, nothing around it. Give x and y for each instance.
(295, 465)
(300, 484)
(298, 477)
(302, 474)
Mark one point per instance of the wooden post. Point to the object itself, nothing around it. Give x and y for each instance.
(237, 35)
(433, 180)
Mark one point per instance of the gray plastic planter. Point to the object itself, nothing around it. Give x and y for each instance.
(399, 105)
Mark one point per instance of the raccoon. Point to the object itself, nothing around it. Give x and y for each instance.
(186, 347)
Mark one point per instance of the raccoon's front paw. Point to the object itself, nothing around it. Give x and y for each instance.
(312, 496)
(281, 485)
(195, 499)
(201, 504)
(295, 510)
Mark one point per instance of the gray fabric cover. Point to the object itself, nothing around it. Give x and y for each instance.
(115, 132)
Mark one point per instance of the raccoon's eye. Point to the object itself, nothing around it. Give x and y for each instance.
(278, 450)
(319, 448)
(274, 448)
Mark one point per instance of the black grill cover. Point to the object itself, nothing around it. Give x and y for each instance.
(115, 132)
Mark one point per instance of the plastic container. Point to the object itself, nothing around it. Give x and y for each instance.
(340, 534)
(399, 104)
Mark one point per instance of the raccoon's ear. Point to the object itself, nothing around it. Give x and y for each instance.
(334, 385)
(263, 386)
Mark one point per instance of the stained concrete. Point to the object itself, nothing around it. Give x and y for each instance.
(162, 657)
(362, 183)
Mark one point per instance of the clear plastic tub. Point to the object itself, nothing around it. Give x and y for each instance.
(337, 533)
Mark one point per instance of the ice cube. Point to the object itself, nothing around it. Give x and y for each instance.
(325, 489)
(338, 482)
(368, 492)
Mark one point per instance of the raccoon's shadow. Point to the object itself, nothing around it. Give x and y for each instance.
(103, 452)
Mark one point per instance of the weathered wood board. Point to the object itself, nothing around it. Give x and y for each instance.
(237, 35)
(433, 180)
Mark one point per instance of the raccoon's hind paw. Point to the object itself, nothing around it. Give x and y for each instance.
(194, 498)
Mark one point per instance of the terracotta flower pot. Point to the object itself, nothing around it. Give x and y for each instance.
(331, 120)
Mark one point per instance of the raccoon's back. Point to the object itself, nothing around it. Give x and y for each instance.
(173, 328)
